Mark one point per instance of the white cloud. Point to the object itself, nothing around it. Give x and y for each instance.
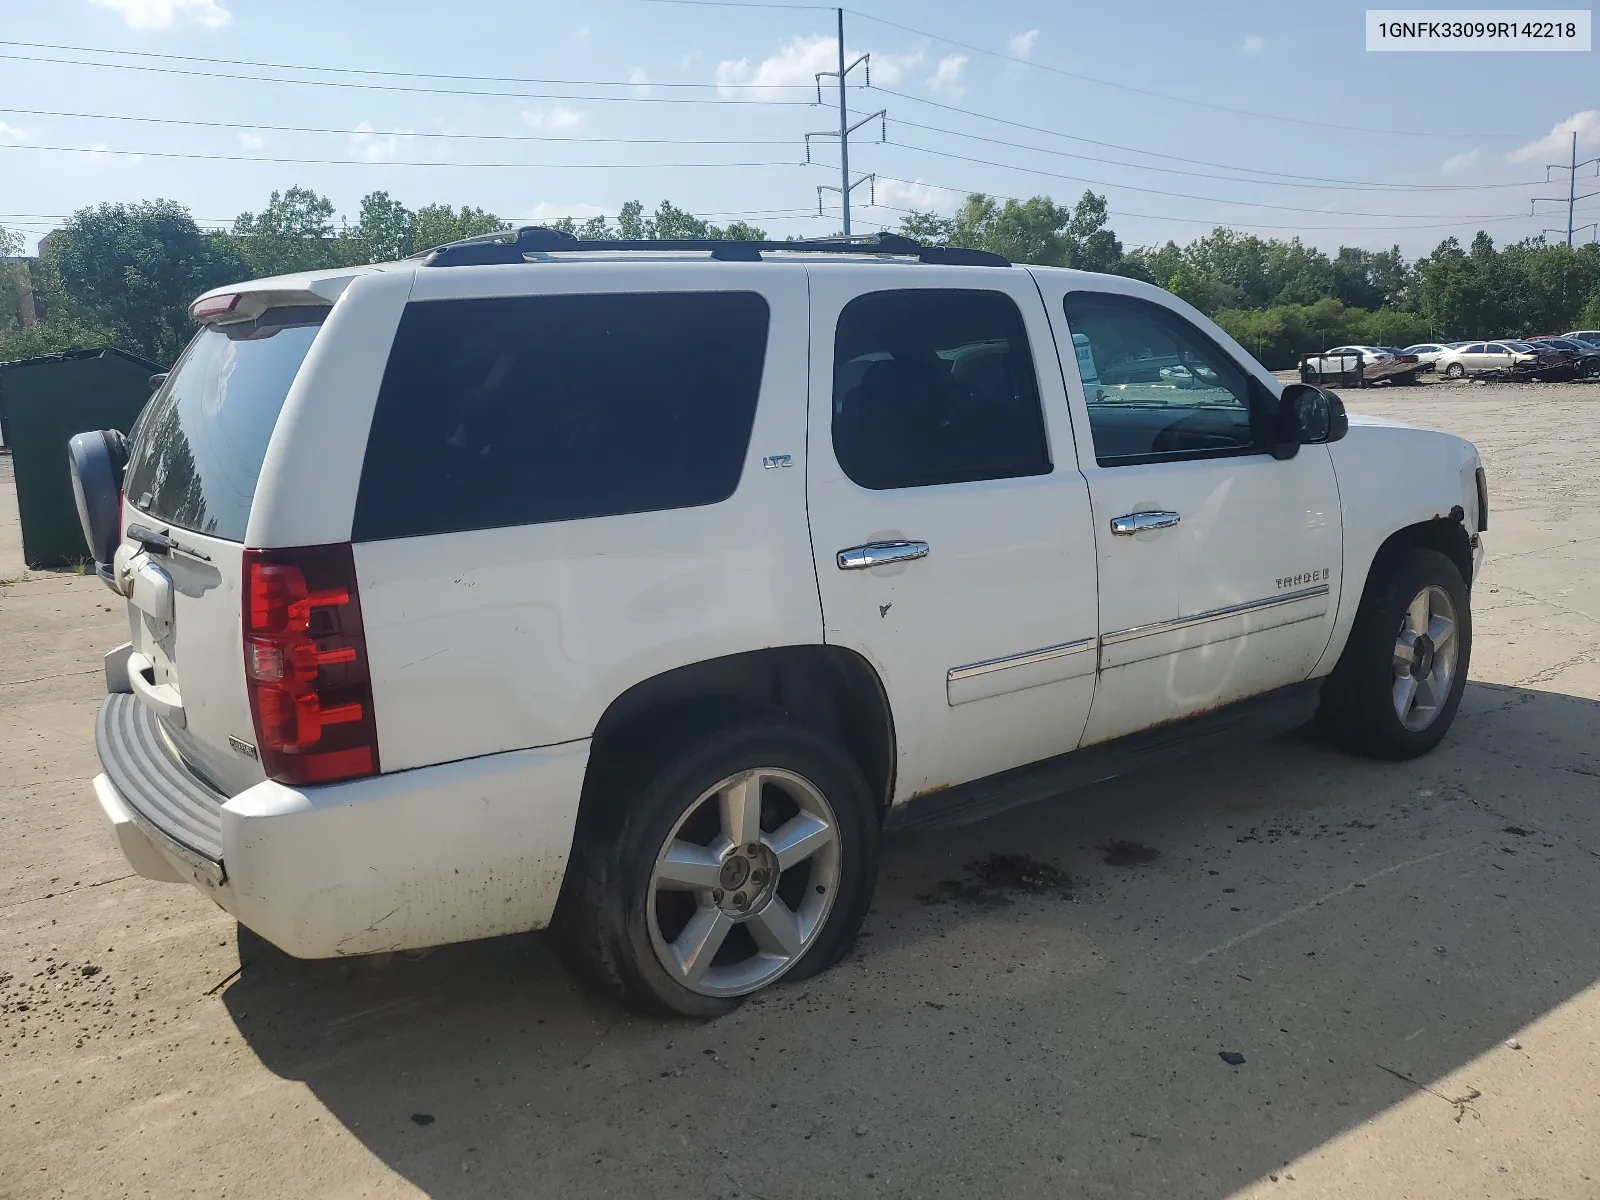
(375, 147)
(640, 81)
(1460, 162)
(946, 76)
(556, 116)
(688, 60)
(892, 68)
(1022, 43)
(920, 196)
(581, 32)
(797, 62)
(164, 14)
(251, 141)
(1557, 144)
(546, 211)
(10, 135)
(1254, 44)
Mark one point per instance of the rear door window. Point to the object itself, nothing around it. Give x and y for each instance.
(202, 437)
(530, 409)
(934, 386)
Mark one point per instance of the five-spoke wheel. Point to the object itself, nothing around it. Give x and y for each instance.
(1399, 681)
(717, 856)
(744, 882)
(1425, 658)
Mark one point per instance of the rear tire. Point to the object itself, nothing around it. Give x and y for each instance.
(712, 865)
(1396, 688)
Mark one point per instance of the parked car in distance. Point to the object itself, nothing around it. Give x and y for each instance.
(635, 593)
(1377, 363)
(1579, 360)
(1483, 358)
(1427, 353)
(1584, 335)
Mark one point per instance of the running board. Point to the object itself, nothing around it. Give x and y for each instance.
(1259, 717)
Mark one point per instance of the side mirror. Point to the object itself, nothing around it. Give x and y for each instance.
(156, 381)
(1308, 416)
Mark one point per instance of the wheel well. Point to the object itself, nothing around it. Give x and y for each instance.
(1443, 534)
(827, 689)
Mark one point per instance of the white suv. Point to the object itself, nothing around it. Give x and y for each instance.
(637, 589)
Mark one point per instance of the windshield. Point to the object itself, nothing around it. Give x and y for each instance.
(203, 436)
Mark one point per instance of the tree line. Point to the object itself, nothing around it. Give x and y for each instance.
(124, 274)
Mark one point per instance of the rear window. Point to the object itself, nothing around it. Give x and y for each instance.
(529, 409)
(202, 437)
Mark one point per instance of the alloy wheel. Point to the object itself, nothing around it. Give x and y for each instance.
(1425, 656)
(744, 882)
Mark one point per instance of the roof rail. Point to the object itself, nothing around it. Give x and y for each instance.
(514, 245)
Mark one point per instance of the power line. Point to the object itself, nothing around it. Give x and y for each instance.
(408, 133)
(1186, 100)
(1134, 187)
(1299, 181)
(1319, 182)
(395, 87)
(1213, 221)
(277, 66)
(1071, 137)
(368, 162)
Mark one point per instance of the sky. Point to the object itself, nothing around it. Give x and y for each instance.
(1268, 118)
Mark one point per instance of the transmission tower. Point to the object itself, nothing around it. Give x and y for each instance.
(846, 184)
(1572, 196)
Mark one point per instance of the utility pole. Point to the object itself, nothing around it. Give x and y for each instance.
(1572, 196)
(846, 186)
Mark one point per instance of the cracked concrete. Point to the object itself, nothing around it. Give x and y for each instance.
(1370, 937)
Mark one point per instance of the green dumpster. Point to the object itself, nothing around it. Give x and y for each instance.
(43, 402)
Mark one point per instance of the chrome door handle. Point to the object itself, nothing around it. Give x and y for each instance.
(1138, 522)
(877, 554)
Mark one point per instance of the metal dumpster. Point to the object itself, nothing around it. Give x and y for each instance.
(43, 402)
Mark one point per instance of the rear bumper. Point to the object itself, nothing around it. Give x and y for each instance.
(416, 858)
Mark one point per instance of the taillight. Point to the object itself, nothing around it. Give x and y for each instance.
(305, 664)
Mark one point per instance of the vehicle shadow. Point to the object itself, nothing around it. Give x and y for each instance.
(1344, 925)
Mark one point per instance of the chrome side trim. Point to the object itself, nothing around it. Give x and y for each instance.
(1216, 614)
(1025, 659)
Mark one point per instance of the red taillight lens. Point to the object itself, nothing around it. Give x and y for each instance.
(305, 664)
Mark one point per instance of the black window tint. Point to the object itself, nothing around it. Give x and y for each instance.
(203, 435)
(522, 410)
(1156, 386)
(932, 387)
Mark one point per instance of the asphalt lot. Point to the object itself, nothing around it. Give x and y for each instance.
(1372, 938)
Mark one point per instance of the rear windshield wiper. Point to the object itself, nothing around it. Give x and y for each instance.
(160, 543)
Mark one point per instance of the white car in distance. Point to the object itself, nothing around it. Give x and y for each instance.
(638, 592)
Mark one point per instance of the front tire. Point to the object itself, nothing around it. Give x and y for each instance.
(718, 865)
(1396, 688)
(1454, 371)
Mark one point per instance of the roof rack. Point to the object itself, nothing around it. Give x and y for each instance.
(513, 246)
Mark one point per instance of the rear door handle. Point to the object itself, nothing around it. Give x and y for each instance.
(1132, 523)
(877, 554)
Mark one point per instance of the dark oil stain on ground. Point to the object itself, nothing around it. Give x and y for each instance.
(1120, 853)
(996, 879)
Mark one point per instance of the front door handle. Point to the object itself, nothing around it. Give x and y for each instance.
(878, 554)
(1132, 523)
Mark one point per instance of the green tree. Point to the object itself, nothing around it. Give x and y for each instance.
(1037, 230)
(438, 224)
(133, 269)
(294, 232)
(1589, 315)
(671, 222)
(384, 228)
